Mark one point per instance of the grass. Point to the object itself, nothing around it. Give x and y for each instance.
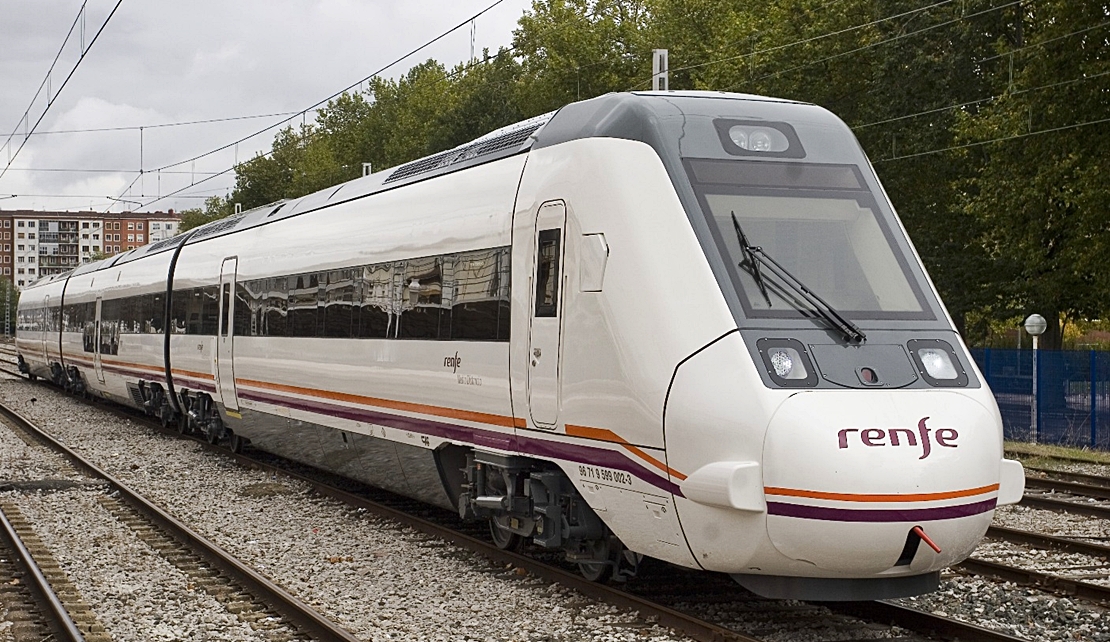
(1045, 454)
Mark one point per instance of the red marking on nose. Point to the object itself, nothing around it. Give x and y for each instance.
(925, 538)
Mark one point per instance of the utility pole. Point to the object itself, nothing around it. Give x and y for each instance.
(660, 69)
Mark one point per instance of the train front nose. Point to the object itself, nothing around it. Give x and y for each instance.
(850, 475)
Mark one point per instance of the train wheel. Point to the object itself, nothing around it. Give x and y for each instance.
(183, 427)
(503, 538)
(211, 434)
(236, 444)
(599, 571)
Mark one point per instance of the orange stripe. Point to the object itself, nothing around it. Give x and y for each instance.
(860, 497)
(601, 434)
(465, 415)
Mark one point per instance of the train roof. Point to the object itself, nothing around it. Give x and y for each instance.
(631, 116)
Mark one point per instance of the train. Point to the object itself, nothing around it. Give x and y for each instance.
(686, 326)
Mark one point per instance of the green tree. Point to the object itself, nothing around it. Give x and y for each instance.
(215, 208)
(1038, 183)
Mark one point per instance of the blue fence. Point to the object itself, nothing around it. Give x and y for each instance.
(1073, 394)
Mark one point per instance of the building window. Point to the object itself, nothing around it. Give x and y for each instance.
(115, 226)
(130, 238)
(7, 223)
(84, 248)
(130, 247)
(21, 282)
(85, 225)
(19, 236)
(30, 235)
(19, 224)
(19, 259)
(85, 236)
(139, 238)
(30, 259)
(29, 270)
(130, 226)
(7, 247)
(19, 248)
(96, 224)
(96, 248)
(96, 237)
(20, 270)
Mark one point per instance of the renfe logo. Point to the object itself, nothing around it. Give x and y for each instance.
(452, 362)
(945, 437)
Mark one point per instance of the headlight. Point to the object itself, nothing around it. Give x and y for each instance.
(787, 362)
(937, 363)
(758, 139)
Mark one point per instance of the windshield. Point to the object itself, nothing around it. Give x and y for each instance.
(820, 223)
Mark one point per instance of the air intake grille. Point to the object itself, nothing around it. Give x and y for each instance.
(458, 155)
(164, 243)
(215, 227)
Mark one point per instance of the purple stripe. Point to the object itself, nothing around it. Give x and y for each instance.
(493, 439)
(879, 515)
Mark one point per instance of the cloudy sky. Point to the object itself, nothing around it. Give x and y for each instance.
(159, 62)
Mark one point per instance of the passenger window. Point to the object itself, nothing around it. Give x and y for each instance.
(547, 274)
(226, 302)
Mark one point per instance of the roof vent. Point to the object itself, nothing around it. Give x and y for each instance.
(215, 227)
(480, 147)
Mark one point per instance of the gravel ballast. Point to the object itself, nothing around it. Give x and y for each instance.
(379, 580)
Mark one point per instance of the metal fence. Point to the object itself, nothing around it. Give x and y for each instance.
(1073, 394)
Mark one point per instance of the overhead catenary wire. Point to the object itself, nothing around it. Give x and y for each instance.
(46, 78)
(1000, 139)
(798, 42)
(63, 85)
(310, 108)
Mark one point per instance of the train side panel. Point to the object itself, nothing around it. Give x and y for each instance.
(372, 408)
(638, 298)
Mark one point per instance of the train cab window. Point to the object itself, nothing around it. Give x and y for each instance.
(225, 303)
(547, 273)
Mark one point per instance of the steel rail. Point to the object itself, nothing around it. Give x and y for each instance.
(1041, 580)
(1069, 487)
(63, 623)
(1016, 536)
(921, 621)
(1082, 478)
(1063, 506)
(287, 605)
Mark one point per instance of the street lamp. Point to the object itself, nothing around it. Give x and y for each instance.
(1035, 325)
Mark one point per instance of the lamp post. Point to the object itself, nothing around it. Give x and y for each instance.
(1035, 325)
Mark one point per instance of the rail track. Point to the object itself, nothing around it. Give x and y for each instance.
(664, 601)
(243, 591)
(34, 609)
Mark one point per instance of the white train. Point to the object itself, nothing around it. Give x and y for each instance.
(681, 325)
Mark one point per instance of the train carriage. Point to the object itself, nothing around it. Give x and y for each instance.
(680, 325)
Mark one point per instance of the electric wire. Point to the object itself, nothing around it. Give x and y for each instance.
(875, 44)
(46, 78)
(63, 86)
(995, 140)
(183, 123)
(798, 42)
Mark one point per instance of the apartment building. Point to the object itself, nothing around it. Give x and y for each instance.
(37, 243)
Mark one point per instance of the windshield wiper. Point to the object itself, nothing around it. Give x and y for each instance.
(755, 257)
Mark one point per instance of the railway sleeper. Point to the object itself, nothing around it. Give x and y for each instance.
(525, 499)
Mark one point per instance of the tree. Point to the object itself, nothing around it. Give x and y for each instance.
(1038, 183)
(214, 208)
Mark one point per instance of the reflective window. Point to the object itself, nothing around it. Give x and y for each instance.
(547, 274)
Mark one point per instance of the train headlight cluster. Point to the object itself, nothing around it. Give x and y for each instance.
(787, 362)
(937, 363)
(758, 139)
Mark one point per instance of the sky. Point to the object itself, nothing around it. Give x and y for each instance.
(158, 62)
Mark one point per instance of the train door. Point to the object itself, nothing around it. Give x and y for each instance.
(45, 327)
(96, 341)
(545, 326)
(225, 339)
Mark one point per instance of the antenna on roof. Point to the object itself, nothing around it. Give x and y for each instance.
(660, 68)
